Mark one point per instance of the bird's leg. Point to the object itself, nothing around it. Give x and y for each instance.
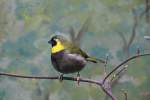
(61, 77)
(78, 78)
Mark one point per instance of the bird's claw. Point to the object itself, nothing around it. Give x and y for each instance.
(78, 78)
(61, 78)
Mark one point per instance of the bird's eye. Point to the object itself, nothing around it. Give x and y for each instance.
(54, 42)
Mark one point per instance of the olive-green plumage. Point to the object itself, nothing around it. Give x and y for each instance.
(66, 57)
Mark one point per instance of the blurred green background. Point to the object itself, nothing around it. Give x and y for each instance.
(26, 26)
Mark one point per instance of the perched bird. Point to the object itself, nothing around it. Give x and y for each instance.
(67, 57)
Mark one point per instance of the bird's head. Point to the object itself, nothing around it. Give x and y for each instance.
(57, 43)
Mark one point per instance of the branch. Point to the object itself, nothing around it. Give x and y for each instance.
(49, 77)
(85, 80)
(105, 86)
(118, 66)
(118, 75)
(114, 80)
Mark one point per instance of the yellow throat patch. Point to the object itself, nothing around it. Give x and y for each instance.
(58, 47)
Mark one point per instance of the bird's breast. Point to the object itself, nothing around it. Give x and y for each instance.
(67, 63)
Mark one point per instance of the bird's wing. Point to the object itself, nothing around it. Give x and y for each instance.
(72, 48)
(83, 30)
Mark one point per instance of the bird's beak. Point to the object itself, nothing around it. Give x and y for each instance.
(49, 41)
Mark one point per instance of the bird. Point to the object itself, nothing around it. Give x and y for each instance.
(67, 57)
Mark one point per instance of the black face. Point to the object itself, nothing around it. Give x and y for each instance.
(52, 41)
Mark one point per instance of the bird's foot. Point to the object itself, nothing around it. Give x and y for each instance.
(78, 78)
(61, 77)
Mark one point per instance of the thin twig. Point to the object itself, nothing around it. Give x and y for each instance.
(118, 66)
(125, 94)
(122, 70)
(105, 65)
(118, 74)
(115, 78)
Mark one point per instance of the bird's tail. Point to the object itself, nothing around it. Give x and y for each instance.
(95, 60)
